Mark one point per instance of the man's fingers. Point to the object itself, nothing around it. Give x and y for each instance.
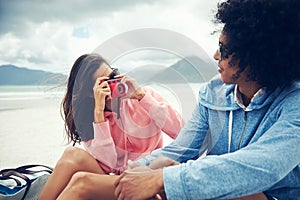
(120, 197)
(117, 189)
(118, 192)
(117, 182)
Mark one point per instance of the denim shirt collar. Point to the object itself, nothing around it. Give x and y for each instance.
(238, 99)
(217, 95)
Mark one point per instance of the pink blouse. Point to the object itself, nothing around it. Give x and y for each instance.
(137, 133)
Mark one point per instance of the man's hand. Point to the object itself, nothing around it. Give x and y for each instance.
(139, 185)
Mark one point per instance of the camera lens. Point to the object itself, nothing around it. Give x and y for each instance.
(121, 88)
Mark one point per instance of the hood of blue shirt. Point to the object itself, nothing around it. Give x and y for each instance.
(217, 95)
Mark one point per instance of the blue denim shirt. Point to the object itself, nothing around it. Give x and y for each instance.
(247, 150)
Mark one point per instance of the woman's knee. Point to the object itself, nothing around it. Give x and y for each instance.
(73, 156)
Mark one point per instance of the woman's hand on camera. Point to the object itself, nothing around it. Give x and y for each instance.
(101, 92)
(134, 90)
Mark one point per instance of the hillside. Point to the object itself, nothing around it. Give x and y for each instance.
(13, 75)
(189, 69)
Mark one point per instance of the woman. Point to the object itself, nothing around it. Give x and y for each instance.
(113, 125)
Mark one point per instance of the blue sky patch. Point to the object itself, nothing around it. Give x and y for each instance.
(81, 32)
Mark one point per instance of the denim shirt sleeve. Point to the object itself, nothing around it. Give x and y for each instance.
(188, 144)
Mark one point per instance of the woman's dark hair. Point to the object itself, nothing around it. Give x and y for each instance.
(78, 102)
(264, 35)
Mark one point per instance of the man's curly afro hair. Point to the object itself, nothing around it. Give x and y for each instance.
(264, 35)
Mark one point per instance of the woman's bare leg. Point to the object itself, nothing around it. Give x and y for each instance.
(73, 160)
(85, 185)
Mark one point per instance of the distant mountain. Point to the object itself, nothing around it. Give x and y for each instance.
(13, 75)
(190, 69)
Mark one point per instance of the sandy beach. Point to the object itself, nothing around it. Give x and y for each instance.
(31, 132)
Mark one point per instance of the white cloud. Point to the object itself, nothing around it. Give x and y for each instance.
(51, 37)
(11, 44)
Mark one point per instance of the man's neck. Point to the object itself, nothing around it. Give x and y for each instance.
(248, 90)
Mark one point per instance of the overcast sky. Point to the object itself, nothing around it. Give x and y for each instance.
(50, 35)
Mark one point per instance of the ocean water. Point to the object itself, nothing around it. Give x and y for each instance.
(27, 92)
(183, 97)
(30, 92)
